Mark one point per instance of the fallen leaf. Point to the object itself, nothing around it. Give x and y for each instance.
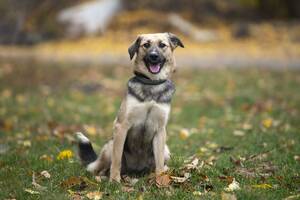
(192, 164)
(35, 184)
(247, 126)
(292, 197)
(239, 133)
(227, 196)
(65, 154)
(90, 130)
(176, 179)
(127, 189)
(30, 191)
(262, 186)
(129, 181)
(228, 179)
(184, 134)
(163, 180)
(267, 123)
(197, 193)
(74, 182)
(234, 185)
(95, 195)
(45, 174)
(46, 158)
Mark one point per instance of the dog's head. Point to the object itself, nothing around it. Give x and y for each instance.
(154, 54)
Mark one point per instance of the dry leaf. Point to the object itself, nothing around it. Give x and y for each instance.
(30, 191)
(292, 197)
(74, 181)
(192, 165)
(35, 184)
(45, 174)
(197, 193)
(181, 179)
(127, 189)
(239, 133)
(46, 158)
(95, 195)
(262, 186)
(163, 180)
(184, 134)
(130, 181)
(90, 130)
(247, 126)
(233, 186)
(227, 196)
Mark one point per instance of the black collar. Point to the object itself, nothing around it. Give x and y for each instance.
(146, 80)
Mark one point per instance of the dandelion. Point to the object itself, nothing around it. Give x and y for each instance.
(65, 154)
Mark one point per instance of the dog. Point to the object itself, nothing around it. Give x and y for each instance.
(139, 131)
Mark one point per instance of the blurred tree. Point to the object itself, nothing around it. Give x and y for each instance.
(30, 21)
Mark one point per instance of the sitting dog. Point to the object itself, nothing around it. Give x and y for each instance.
(139, 134)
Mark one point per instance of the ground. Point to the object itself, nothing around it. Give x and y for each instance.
(241, 124)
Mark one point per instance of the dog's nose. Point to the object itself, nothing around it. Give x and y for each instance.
(153, 56)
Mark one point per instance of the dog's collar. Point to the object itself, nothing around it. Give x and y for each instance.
(146, 80)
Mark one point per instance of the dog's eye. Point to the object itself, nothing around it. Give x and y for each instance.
(162, 45)
(146, 45)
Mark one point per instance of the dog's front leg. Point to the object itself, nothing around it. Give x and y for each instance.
(120, 133)
(159, 142)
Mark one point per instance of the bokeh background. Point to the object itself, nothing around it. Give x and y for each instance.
(217, 33)
(235, 114)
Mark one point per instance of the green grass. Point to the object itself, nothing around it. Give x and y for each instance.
(43, 104)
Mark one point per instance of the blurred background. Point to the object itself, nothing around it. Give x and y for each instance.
(64, 67)
(217, 33)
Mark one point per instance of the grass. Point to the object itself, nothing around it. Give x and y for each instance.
(41, 105)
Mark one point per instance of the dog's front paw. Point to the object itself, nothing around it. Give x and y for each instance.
(115, 177)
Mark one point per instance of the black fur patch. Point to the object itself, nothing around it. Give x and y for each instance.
(86, 153)
(161, 93)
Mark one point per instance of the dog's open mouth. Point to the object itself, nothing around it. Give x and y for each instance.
(154, 68)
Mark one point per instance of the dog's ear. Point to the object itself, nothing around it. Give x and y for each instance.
(133, 49)
(175, 41)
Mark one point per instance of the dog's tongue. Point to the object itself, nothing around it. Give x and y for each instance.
(154, 68)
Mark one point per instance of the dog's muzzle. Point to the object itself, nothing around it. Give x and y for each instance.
(154, 62)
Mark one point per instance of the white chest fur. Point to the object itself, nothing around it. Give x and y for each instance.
(151, 114)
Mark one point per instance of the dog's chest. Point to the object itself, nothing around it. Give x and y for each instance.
(146, 118)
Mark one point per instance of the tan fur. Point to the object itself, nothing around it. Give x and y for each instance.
(133, 112)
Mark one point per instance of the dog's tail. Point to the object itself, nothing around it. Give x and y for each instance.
(87, 154)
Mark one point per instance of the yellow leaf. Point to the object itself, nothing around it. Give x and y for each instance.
(90, 130)
(184, 134)
(31, 191)
(233, 186)
(96, 195)
(262, 186)
(66, 154)
(267, 123)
